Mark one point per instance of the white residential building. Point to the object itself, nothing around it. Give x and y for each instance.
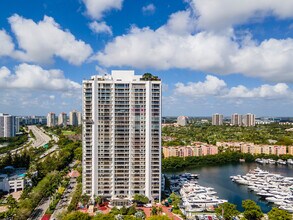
(182, 120)
(236, 119)
(122, 136)
(217, 119)
(62, 119)
(248, 119)
(51, 119)
(8, 125)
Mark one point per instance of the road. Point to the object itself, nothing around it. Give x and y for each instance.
(38, 212)
(41, 138)
(65, 199)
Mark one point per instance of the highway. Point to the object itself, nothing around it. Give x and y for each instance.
(40, 137)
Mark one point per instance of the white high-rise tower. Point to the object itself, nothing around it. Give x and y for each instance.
(122, 136)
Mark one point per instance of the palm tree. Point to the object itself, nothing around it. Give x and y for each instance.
(154, 210)
(160, 210)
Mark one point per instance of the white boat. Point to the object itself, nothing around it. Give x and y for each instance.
(280, 161)
(288, 208)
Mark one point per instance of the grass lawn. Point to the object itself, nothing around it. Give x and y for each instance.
(68, 132)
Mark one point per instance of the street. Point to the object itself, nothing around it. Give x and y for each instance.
(40, 210)
(65, 199)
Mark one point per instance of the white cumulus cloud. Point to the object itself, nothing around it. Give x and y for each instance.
(100, 27)
(40, 42)
(97, 8)
(213, 86)
(178, 44)
(149, 9)
(280, 90)
(6, 44)
(219, 14)
(33, 77)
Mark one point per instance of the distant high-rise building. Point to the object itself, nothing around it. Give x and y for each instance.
(62, 119)
(7, 125)
(17, 124)
(248, 120)
(122, 136)
(79, 118)
(73, 118)
(182, 120)
(51, 119)
(236, 119)
(217, 119)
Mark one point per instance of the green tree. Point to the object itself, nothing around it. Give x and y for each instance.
(154, 210)
(140, 198)
(175, 200)
(102, 216)
(11, 202)
(251, 210)
(279, 214)
(123, 210)
(84, 199)
(228, 210)
(98, 200)
(131, 210)
(77, 215)
(160, 210)
(115, 211)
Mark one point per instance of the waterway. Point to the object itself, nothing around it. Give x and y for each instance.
(219, 179)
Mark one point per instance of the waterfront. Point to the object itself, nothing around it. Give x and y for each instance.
(219, 179)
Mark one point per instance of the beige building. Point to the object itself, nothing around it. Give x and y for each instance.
(217, 119)
(248, 120)
(73, 118)
(51, 119)
(236, 119)
(182, 120)
(62, 119)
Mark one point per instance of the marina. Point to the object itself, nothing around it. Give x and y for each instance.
(273, 188)
(218, 178)
(195, 198)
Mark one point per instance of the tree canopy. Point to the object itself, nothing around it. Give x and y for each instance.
(251, 210)
(228, 210)
(279, 214)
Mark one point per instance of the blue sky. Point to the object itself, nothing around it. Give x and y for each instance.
(213, 56)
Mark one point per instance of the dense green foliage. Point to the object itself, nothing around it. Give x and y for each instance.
(279, 214)
(140, 198)
(76, 216)
(209, 160)
(60, 130)
(251, 210)
(61, 160)
(228, 210)
(13, 142)
(75, 198)
(259, 134)
(45, 188)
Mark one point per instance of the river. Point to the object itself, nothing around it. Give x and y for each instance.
(219, 179)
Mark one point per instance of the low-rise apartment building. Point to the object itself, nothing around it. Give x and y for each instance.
(187, 151)
(203, 149)
(12, 180)
(290, 150)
